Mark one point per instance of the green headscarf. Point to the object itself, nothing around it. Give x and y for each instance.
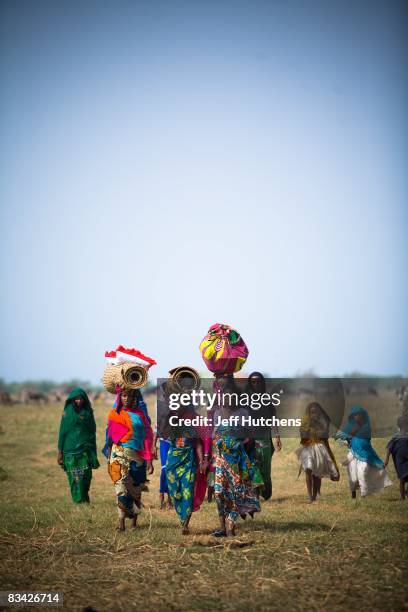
(77, 429)
(78, 392)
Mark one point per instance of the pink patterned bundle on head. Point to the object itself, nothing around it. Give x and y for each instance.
(223, 349)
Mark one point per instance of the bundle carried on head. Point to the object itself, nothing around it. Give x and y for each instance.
(223, 349)
(127, 369)
(183, 378)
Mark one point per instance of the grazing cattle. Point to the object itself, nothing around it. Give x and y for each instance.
(5, 398)
(359, 386)
(54, 397)
(33, 397)
(304, 391)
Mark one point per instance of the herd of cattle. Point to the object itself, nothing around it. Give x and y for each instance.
(28, 396)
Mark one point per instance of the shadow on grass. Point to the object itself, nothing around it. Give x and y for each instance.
(277, 500)
(253, 526)
(287, 527)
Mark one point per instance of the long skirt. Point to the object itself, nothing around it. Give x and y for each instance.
(368, 478)
(187, 486)
(399, 451)
(128, 473)
(264, 450)
(233, 491)
(317, 458)
(79, 472)
(164, 449)
(257, 477)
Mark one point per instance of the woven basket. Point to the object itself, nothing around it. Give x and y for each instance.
(183, 378)
(134, 376)
(111, 377)
(126, 375)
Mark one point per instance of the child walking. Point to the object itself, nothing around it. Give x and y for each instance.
(164, 446)
(314, 453)
(366, 471)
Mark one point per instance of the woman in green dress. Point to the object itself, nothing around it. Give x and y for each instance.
(77, 444)
(264, 448)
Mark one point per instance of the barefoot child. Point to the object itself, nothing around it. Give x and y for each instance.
(365, 469)
(398, 448)
(314, 453)
(164, 446)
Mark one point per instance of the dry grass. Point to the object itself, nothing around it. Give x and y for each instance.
(336, 554)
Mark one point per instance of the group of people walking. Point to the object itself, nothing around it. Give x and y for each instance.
(235, 471)
(366, 471)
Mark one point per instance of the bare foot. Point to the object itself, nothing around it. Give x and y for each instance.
(185, 530)
(134, 523)
(230, 528)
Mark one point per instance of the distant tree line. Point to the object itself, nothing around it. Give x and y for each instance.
(46, 386)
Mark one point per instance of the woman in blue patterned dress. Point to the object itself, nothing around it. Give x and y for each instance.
(234, 473)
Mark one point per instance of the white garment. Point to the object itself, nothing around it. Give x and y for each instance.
(316, 457)
(368, 478)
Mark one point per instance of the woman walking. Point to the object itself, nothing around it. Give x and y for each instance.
(77, 444)
(264, 448)
(130, 453)
(234, 473)
(164, 447)
(186, 469)
(397, 447)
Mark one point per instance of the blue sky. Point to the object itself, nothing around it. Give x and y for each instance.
(169, 165)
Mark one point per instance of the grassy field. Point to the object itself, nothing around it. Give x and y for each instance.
(336, 554)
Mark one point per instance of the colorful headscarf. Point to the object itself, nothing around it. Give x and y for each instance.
(120, 426)
(359, 437)
(364, 430)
